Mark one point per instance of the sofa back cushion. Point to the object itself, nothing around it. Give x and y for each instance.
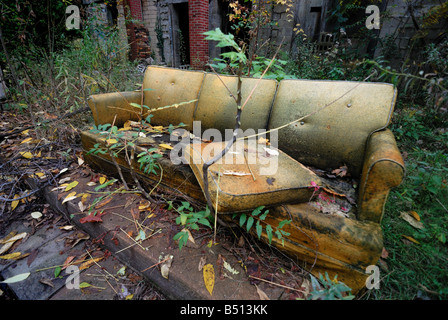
(217, 108)
(337, 134)
(167, 86)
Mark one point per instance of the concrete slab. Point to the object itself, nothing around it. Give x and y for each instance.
(185, 281)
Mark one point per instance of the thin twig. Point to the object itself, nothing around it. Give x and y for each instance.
(276, 284)
(156, 264)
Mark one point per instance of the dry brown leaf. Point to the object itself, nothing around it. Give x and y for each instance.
(89, 263)
(384, 253)
(411, 220)
(202, 263)
(261, 294)
(103, 203)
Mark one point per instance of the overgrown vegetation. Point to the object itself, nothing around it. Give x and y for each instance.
(50, 75)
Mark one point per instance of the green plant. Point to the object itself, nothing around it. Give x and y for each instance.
(258, 216)
(189, 220)
(332, 289)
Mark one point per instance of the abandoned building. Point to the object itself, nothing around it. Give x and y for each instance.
(170, 32)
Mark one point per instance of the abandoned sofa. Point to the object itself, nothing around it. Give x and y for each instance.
(349, 132)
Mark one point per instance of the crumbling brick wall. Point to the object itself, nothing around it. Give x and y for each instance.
(198, 11)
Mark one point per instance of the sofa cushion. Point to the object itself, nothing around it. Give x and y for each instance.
(249, 176)
(217, 108)
(167, 86)
(336, 135)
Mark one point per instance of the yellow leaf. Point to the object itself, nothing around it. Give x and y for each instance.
(208, 273)
(11, 256)
(166, 146)
(102, 180)
(27, 154)
(84, 198)
(26, 140)
(71, 185)
(70, 196)
(414, 215)
(410, 238)
(15, 202)
(111, 141)
(158, 128)
(40, 174)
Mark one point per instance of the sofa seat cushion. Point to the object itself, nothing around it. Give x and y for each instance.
(251, 175)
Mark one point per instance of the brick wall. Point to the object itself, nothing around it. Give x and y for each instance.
(138, 34)
(198, 24)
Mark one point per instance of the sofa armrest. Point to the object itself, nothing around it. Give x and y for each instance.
(383, 169)
(109, 106)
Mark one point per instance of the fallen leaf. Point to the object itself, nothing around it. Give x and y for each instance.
(92, 218)
(47, 282)
(384, 253)
(262, 294)
(66, 228)
(165, 146)
(229, 268)
(102, 180)
(32, 256)
(11, 256)
(71, 185)
(410, 239)
(67, 261)
(202, 263)
(411, 220)
(9, 241)
(63, 180)
(36, 215)
(341, 172)
(17, 278)
(208, 273)
(165, 267)
(26, 140)
(41, 175)
(89, 263)
(69, 197)
(103, 203)
(26, 154)
(414, 215)
(15, 202)
(81, 206)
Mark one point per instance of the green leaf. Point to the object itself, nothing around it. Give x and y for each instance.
(243, 218)
(269, 233)
(17, 278)
(135, 105)
(105, 184)
(250, 221)
(259, 229)
(57, 272)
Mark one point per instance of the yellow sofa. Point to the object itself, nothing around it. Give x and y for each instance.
(347, 128)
